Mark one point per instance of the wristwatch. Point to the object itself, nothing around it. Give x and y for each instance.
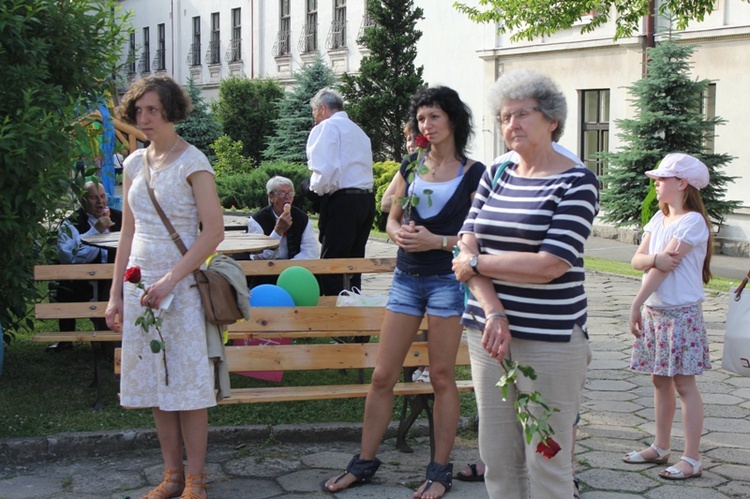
(474, 262)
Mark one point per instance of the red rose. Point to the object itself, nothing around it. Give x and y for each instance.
(422, 142)
(133, 274)
(548, 448)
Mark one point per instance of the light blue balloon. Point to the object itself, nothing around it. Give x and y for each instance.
(270, 295)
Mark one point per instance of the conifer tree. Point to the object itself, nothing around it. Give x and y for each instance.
(200, 128)
(295, 119)
(669, 119)
(247, 110)
(377, 98)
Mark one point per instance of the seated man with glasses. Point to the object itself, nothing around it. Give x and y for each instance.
(285, 222)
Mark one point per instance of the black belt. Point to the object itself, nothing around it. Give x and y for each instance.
(353, 191)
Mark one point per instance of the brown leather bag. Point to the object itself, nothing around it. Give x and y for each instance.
(217, 295)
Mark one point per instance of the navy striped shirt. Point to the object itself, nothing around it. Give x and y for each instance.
(553, 214)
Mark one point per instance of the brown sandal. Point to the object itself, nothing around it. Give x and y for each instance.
(193, 486)
(165, 490)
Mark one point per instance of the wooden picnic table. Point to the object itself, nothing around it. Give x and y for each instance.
(234, 242)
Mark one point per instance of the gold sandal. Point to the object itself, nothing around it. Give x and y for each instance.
(193, 485)
(165, 490)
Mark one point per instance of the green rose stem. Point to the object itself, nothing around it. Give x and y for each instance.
(148, 319)
(531, 423)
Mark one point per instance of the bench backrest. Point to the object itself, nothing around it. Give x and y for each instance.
(103, 271)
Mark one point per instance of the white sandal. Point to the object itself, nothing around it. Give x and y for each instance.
(675, 473)
(636, 457)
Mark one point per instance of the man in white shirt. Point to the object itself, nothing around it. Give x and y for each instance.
(284, 222)
(340, 158)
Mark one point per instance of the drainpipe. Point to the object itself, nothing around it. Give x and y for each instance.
(649, 40)
(252, 39)
(171, 27)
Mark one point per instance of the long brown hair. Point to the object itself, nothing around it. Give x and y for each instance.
(693, 202)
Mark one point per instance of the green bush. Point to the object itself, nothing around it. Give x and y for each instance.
(57, 59)
(247, 191)
(228, 157)
(382, 172)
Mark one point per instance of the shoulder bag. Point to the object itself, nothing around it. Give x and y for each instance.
(217, 295)
(737, 338)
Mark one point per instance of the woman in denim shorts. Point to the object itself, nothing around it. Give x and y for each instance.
(435, 188)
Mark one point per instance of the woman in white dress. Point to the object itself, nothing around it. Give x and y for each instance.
(183, 182)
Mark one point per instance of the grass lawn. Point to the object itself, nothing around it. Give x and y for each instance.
(44, 393)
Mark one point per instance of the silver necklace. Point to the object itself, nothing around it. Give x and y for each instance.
(164, 157)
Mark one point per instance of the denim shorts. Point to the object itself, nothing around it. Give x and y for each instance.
(413, 294)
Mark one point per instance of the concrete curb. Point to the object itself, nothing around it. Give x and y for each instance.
(18, 451)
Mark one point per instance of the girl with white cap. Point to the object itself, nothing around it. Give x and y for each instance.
(666, 316)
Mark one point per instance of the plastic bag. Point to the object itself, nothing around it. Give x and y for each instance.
(356, 298)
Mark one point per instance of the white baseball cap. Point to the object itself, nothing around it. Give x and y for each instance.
(682, 166)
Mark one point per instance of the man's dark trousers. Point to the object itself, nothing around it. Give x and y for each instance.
(346, 218)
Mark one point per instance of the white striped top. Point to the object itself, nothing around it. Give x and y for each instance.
(553, 214)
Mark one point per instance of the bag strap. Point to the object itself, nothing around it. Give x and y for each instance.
(738, 291)
(170, 228)
(499, 172)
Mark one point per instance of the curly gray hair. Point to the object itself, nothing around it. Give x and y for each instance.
(520, 84)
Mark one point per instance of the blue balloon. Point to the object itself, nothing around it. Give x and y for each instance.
(270, 295)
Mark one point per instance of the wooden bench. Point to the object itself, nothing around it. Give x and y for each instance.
(316, 325)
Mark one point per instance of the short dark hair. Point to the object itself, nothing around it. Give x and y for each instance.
(458, 113)
(177, 104)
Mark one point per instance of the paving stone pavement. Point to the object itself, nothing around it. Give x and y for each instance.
(290, 461)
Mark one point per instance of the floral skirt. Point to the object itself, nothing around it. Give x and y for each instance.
(674, 341)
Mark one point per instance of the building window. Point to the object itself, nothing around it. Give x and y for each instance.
(234, 54)
(131, 55)
(594, 128)
(160, 60)
(708, 110)
(367, 22)
(337, 36)
(309, 40)
(194, 56)
(145, 64)
(212, 55)
(282, 45)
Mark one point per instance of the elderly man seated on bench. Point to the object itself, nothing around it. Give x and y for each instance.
(285, 222)
(93, 217)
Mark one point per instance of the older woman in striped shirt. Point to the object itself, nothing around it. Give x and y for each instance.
(521, 250)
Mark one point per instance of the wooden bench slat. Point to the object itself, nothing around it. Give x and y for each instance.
(89, 271)
(321, 266)
(77, 310)
(316, 357)
(302, 393)
(51, 337)
(74, 272)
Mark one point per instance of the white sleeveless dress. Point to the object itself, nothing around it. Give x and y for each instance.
(191, 377)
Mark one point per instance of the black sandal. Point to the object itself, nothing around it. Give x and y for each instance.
(473, 476)
(440, 473)
(361, 469)
(577, 491)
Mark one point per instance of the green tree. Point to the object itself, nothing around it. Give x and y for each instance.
(295, 120)
(378, 97)
(528, 19)
(200, 128)
(247, 111)
(57, 59)
(669, 120)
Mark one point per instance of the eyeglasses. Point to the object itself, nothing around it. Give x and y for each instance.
(284, 194)
(521, 115)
